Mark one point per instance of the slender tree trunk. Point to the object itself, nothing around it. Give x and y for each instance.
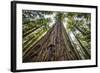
(75, 47)
(84, 49)
(80, 30)
(31, 30)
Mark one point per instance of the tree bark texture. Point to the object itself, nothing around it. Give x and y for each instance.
(55, 45)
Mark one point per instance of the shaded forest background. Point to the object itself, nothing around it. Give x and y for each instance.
(55, 36)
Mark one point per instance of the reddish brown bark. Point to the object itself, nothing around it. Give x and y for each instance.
(54, 46)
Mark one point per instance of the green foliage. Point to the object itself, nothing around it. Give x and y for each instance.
(36, 25)
(59, 16)
(78, 24)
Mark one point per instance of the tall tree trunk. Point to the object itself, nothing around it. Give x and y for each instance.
(75, 47)
(83, 48)
(54, 46)
(30, 31)
(80, 30)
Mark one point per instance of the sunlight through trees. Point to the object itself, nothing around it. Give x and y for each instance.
(56, 36)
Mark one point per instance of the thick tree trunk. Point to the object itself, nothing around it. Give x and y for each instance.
(54, 46)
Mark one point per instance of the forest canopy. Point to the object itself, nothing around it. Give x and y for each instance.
(55, 36)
